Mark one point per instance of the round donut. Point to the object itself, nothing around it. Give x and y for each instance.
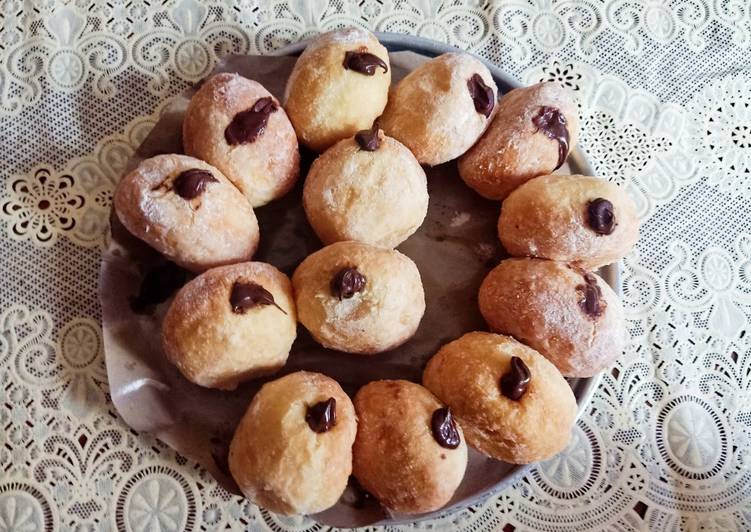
(231, 324)
(442, 107)
(369, 188)
(339, 86)
(358, 298)
(532, 134)
(292, 452)
(512, 403)
(583, 220)
(188, 211)
(409, 452)
(235, 124)
(570, 316)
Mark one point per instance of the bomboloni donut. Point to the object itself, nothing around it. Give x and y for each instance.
(583, 220)
(409, 452)
(512, 403)
(292, 452)
(188, 211)
(235, 124)
(359, 298)
(533, 132)
(339, 86)
(442, 107)
(368, 188)
(231, 324)
(572, 317)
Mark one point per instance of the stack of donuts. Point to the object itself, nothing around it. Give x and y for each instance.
(502, 393)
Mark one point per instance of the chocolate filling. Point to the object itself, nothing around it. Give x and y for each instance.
(364, 62)
(248, 125)
(192, 183)
(245, 296)
(601, 216)
(592, 303)
(368, 139)
(444, 429)
(347, 282)
(515, 382)
(322, 416)
(553, 125)
(481, 94)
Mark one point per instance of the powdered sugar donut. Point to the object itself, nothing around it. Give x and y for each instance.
(359, 298)
(292, 452)
(338, 86)
(369, 188)
(188, 211)
(512, 403)
(533, 132)
(409, 452)
(231, 324)
(570, 316)
(442, 107)
(235, 124)
(583, 220)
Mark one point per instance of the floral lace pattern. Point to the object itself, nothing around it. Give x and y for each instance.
(665, 111)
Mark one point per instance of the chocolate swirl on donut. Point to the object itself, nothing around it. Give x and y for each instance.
(364, 62)
(444, 429)
(601, 216)
(515, 382)
(321, 417)
(553, 124)
(192, 183)
(347, 282)
(591, 301)
(368, 139)
(246, 296)
(248, 125)
(481, 94)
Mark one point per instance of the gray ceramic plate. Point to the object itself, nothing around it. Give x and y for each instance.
(480, 481)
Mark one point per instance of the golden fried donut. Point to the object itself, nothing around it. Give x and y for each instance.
(512, 403)
(292, 452)
(533, 132)
(188, 211)
(359, 298)
(235, 124)
(572, 317)
(409, 452)
(442, 107)
(571, 218)
(231, 324)
(339, 86)
(369, 188)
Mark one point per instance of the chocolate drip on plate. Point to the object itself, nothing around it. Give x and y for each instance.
(514, 384)
(364, 62)
(246, 296)
(347, 282)
(248, 125)
(192, 183)
(444, 429)
(601, 216)
(321, 417)
(481, 94)
(553, 125)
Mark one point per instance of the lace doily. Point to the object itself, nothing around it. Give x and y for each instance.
(665, 97)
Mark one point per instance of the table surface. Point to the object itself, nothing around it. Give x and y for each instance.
(665, 103)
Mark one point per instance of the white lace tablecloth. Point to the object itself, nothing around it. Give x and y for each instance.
(665, 93)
